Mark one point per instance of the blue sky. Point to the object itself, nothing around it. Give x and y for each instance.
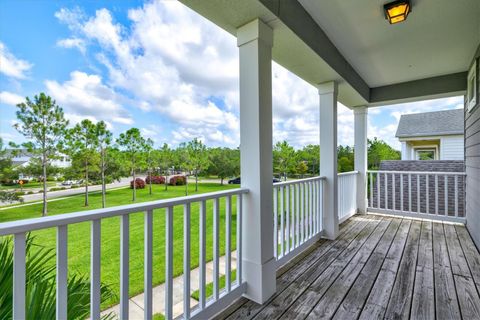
(155, 65)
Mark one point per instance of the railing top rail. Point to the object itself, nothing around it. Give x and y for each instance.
(420, 172)
(347, 173)
(20, 226)
(285, 183)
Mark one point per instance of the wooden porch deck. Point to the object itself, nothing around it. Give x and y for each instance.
(379, 267)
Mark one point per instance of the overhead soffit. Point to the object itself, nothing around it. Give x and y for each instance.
(430, 43)
(438, 38)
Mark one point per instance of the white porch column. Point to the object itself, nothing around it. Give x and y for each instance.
(360, 125)
(328, 158)
(255, 41)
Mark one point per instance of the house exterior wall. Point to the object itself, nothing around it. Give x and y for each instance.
(452, 148)
(447, 147)
(472, 165)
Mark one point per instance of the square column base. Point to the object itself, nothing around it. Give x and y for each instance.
(264, 274)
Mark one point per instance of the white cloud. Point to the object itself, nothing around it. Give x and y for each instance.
(86, 95)
(12, 66)
(170, 60)
(72, 43)
(10, 98)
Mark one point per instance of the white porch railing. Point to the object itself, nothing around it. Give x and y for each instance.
(347, 195)
(431, 195)
(297, 214)
(205, 308)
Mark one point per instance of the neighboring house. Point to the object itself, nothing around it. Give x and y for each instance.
(432, 135)
(23, 157)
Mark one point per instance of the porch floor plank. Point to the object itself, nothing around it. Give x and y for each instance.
(378, 268)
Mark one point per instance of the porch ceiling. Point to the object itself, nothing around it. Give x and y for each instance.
(351, 42)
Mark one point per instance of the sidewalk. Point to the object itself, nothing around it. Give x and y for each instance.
(136, 302)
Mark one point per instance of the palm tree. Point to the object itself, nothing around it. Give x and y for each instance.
(40, 282)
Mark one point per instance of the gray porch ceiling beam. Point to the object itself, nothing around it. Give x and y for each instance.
(441, 86)
(297, 19)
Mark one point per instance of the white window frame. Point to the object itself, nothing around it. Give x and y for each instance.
(428, 147)
(472, 85)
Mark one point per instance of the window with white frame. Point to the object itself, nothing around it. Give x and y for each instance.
(472, 90)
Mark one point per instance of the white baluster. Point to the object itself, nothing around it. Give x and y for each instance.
(148, 259)
(19, 275)
(186, 261)
(124, 265)
(202, 257)
(169, 263)
(95, 270)
(228, 246)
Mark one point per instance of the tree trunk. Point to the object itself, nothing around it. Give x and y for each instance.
(134, 186)
(44, 169)
(221, 181)
(86, 184)
(150, 180)
(186, 185)
(166, 182)
(104, 191)
(196, 181)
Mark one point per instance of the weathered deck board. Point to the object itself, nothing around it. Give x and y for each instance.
(401, 297)
(446, 302)
(423, 305)
(353, 303)
(328, 304)
(350, 243)
(471, 253)
(377, 301)
(250, 308)
(312, 294)
(466, 292)
(379, 267)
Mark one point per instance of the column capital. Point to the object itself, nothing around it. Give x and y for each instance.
(360, 110)
(327, 87)
(255, 30)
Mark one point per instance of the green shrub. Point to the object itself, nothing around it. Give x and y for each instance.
(19, 193)
(9, 197)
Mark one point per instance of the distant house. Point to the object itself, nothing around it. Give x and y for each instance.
(432, 135)
(21, 158)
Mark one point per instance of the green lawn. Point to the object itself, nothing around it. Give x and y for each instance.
(79, 234)
(209, 287)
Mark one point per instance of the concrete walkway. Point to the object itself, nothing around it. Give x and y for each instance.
(136, 303)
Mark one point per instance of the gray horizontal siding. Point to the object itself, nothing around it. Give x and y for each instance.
(472, 166)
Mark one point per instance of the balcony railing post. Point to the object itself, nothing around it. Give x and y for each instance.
(255, 41)
(328, 162)
(360, 147)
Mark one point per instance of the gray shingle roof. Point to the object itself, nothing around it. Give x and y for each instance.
(431, 124)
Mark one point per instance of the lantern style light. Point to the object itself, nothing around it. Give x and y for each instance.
(397, 11)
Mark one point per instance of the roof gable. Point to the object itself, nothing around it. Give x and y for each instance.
(448, 122)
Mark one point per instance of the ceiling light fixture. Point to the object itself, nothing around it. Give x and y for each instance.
(397, 11)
